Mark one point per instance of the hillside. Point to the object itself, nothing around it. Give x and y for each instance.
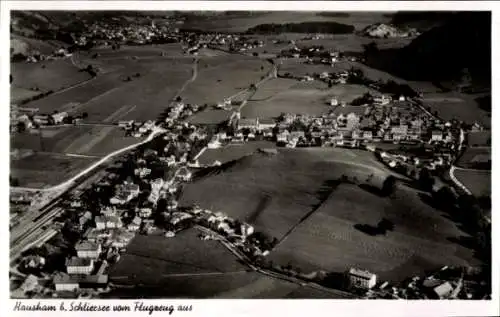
(421, 20)
(443, 53)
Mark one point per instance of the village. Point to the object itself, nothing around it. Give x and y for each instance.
(141, 197)
(139, 193)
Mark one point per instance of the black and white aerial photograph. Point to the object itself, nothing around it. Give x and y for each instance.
(250, 154)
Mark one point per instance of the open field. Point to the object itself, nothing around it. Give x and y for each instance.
(47, 75)
(478, 182)
(298, 68)
(215, 83)
(104, 96)
(158, 257)
(87, 140)
(42, 169)
(328, 239)
(463, 107)
(249, 285)
(18, 94)
(272, 87)
(261, 187)
(473, 156)
(482, 138)
(304, 98)
(209, 116)
(232, 152)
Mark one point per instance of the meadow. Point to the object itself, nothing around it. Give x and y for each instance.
(43, 169)
(422, 240)
(473, 156)
(85, 140)
(455, 105)
(50, 75)
(161, 257)
(263, 186)
(232, 152)
(222, 80)
(478, 182)
(481, 138)
(282, 96)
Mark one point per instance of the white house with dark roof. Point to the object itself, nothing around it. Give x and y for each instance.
(77, 265)
(87, 249)
(264, 124)
(361, 278)
(64, 282)
(247, 123)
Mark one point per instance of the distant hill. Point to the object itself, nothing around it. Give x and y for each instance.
(443, 53)
(421, 20)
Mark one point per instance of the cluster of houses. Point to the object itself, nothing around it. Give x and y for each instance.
(135, 128)
(315, 54)
(36, 56)
(40, 119)
(130, 33)
(447, 283)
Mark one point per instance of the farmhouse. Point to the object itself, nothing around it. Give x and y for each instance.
(86, 217)
(283, 136)
(113, 222)
(145, 212)
(125, 124)
(436, 135)
(109, 211)
(41, 118)
(352, 121)
(135, 224)
(157, 184)
(59, 117)
(214, 142)
(154, 196)
(361, 278)
(125, 193)
(367, 135)
(63, 282)
(86, 249)
(399, 132)
(264, 124)
(142, 172)
(251, 124)
(184, 174)
(382, 100)
(443, 291)
(77, 265)
(100, 223)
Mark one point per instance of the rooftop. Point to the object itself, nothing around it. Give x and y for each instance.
(443, 289)
(361, 273)
(86, 246)
(76, 261)
(247, 121)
